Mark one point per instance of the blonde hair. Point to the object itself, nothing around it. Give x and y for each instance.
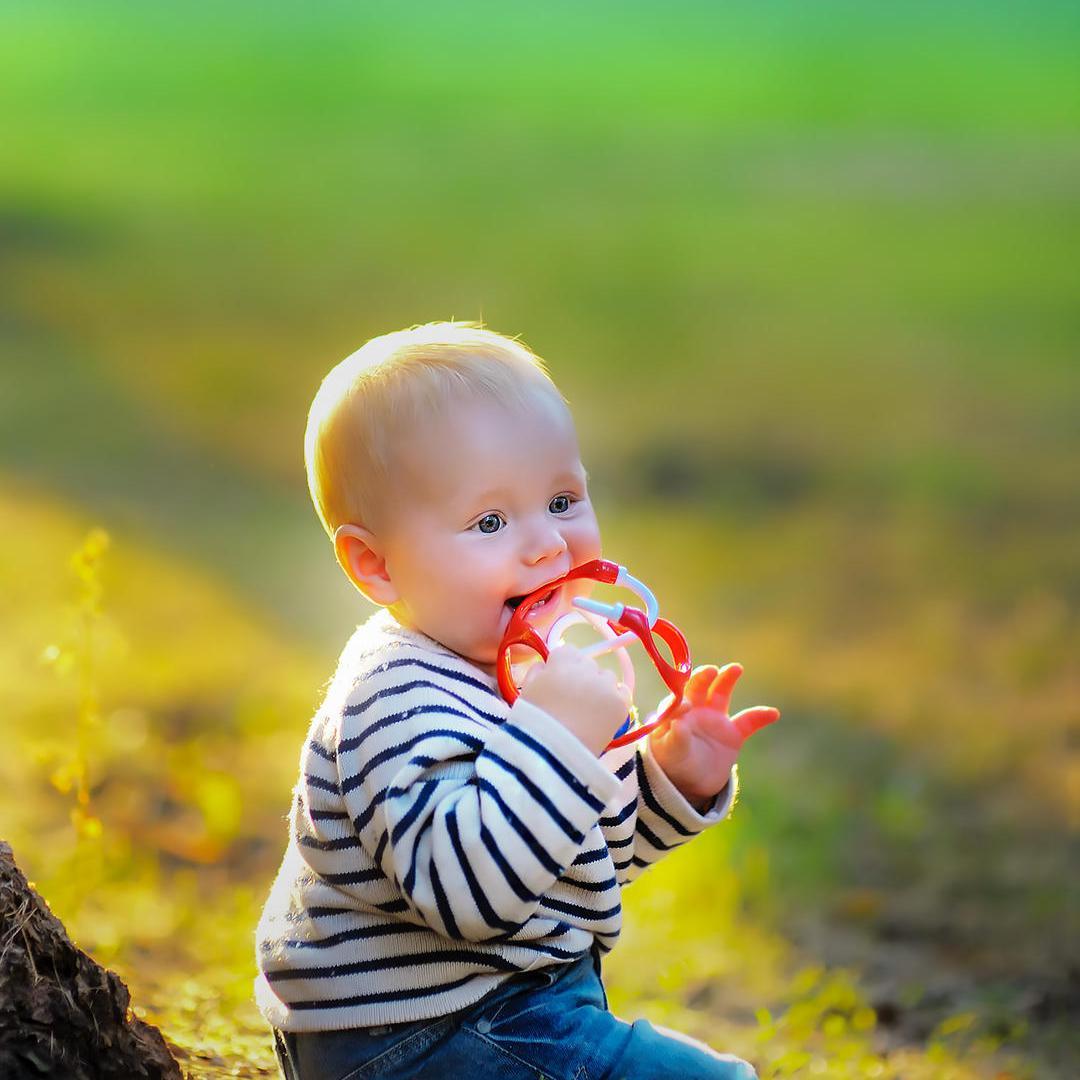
(368, 404)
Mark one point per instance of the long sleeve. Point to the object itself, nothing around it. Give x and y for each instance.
(472, 816)
(652, 817)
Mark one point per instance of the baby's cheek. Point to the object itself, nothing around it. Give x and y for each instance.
(587, 543)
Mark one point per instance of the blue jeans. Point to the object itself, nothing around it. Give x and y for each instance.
(541, 1025)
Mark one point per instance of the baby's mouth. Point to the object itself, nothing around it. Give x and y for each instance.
(515, 601)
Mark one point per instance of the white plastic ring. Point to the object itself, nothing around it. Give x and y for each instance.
(612, 644)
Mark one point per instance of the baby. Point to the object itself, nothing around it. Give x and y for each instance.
(454, 865)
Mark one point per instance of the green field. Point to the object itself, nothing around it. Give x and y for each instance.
(808, 276)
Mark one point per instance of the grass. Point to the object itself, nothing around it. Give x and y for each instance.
(807, 279)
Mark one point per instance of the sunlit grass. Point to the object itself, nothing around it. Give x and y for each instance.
(135, 713)
(169, 888)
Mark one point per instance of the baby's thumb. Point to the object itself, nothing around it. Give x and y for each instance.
(754, 719)
(530, 673)
(626, 694)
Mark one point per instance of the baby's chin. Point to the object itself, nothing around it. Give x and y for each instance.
(521, 658)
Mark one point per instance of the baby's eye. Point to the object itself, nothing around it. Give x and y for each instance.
(560, 504)
(489, 523)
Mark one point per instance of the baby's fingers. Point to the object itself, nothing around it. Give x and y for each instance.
(719, 696)
(754, 719)
(697, 689)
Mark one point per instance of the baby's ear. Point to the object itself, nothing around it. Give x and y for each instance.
(357, 552)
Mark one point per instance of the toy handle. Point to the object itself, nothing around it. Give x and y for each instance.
(675, 673)
(531, 640)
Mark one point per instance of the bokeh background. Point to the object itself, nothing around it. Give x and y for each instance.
(809, 277)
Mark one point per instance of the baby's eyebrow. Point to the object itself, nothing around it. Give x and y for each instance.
(562, 478)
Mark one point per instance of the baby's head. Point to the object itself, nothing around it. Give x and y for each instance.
(444, 464)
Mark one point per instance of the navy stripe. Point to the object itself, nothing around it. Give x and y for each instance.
(443, 904)
(602, 945)
(623, 841)
(487, 912)
(587, 857)
(551, 950)
(621, 816)
(433, 956)
(653, 838)
(558, 930)
(625, 769)
(385, 995)
(410, 878)
(418, 684)
(320, 784)
(351, 743)
(590, 886)
(577, 910)
(361, 821)
(354, 877)
(392, 907)
(567, 777)
(538, 796)
(329, 815)
(450, 673)
(358, 934)
(379, 849)
(499, 859)
(344, 843)
(425, 762)
(391, 752)
(414, 811)
(534, 845)
(320, 751)
(388, 929)
(653, 805)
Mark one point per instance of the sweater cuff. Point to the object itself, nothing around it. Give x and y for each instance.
(567, 748)
(676, 804)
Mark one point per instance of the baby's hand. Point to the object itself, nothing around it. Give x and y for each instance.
(584, 697)
(700, 742)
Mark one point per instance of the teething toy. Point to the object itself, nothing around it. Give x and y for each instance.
(620, 625)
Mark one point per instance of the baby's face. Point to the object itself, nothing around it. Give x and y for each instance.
(492, 505)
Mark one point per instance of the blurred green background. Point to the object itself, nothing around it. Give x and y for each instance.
(808, 275)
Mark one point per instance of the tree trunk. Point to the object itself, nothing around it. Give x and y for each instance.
(61, 1014)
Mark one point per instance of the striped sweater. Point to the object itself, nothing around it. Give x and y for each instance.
(441, 840)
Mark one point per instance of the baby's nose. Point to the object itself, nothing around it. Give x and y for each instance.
(545, 543)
